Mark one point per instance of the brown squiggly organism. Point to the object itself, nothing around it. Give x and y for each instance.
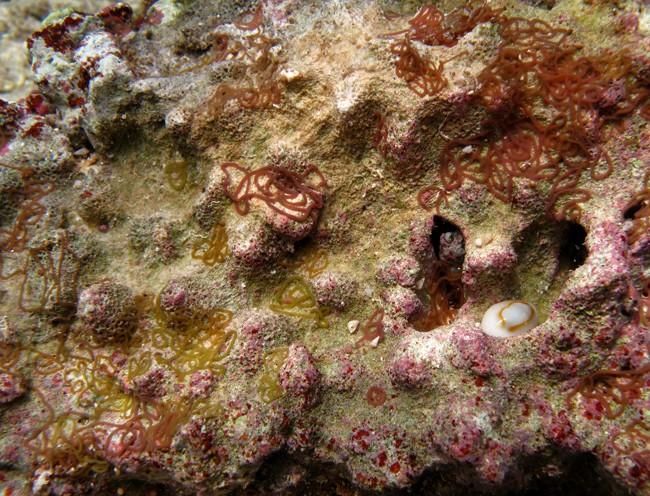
(29, 212)
(372, 330)
(46, 278)
(200, 342)
(421, 75)
(432, 27)
(535, 63)
(644, 304)
(9, 356)
(313, 262)
(114, 424)
(613, 389)
(295, 298)
(73, 441)
(283, 191)
(213, 249)
(641, 216)
(268, 386)
(635, 435)
(444, 295)
(256, 18)
(432, 195)
(222, 48)
(263, 69)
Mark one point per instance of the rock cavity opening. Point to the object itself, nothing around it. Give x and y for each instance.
(573, 251)
(547, 254)
(442, 290)
(632, 209)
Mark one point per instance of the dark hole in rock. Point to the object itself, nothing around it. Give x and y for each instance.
(573, 251)
(628, 308)
(538, 475)
(631, 211)
(135, 487)
(442, 289)
(448, 241)
(541, 4)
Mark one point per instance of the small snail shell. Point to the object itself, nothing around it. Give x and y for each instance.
(509, 318)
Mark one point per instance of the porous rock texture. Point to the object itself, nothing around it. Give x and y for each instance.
(246, 247)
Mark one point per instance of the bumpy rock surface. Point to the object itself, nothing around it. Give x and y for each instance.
(246, 248)
(108, 310)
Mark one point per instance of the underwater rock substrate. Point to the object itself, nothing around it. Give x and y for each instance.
(286, 247)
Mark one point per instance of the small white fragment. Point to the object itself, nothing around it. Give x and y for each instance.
(375, 342)
(289, 75)
(479, 242)
(509, 318)
(7, 334)
(41, 480)
(353, 325)
(177, 119)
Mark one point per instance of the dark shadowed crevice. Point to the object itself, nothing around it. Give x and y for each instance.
(573, 251)
(541, 4)
(445, 234)
(544, 474)
(442, 291)
(547, 255)
(632, 209)
(137, 487)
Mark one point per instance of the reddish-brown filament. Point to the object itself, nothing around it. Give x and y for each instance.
(444, 295)
(432, 27)
(30, 211)
(421, 75)
(637, 432)
(432, 196)
(284, 191)
(265, 89)
(380, 138)
(641, 216)
(644, 304)
(535, 63)
(613, 389)
(48, 265)
(372, 329)
(256, 18)
(645, 111)
(72, 439)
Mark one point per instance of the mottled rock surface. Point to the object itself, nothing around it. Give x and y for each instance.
(245, 248)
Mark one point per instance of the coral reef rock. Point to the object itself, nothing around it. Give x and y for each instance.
(246, 247)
